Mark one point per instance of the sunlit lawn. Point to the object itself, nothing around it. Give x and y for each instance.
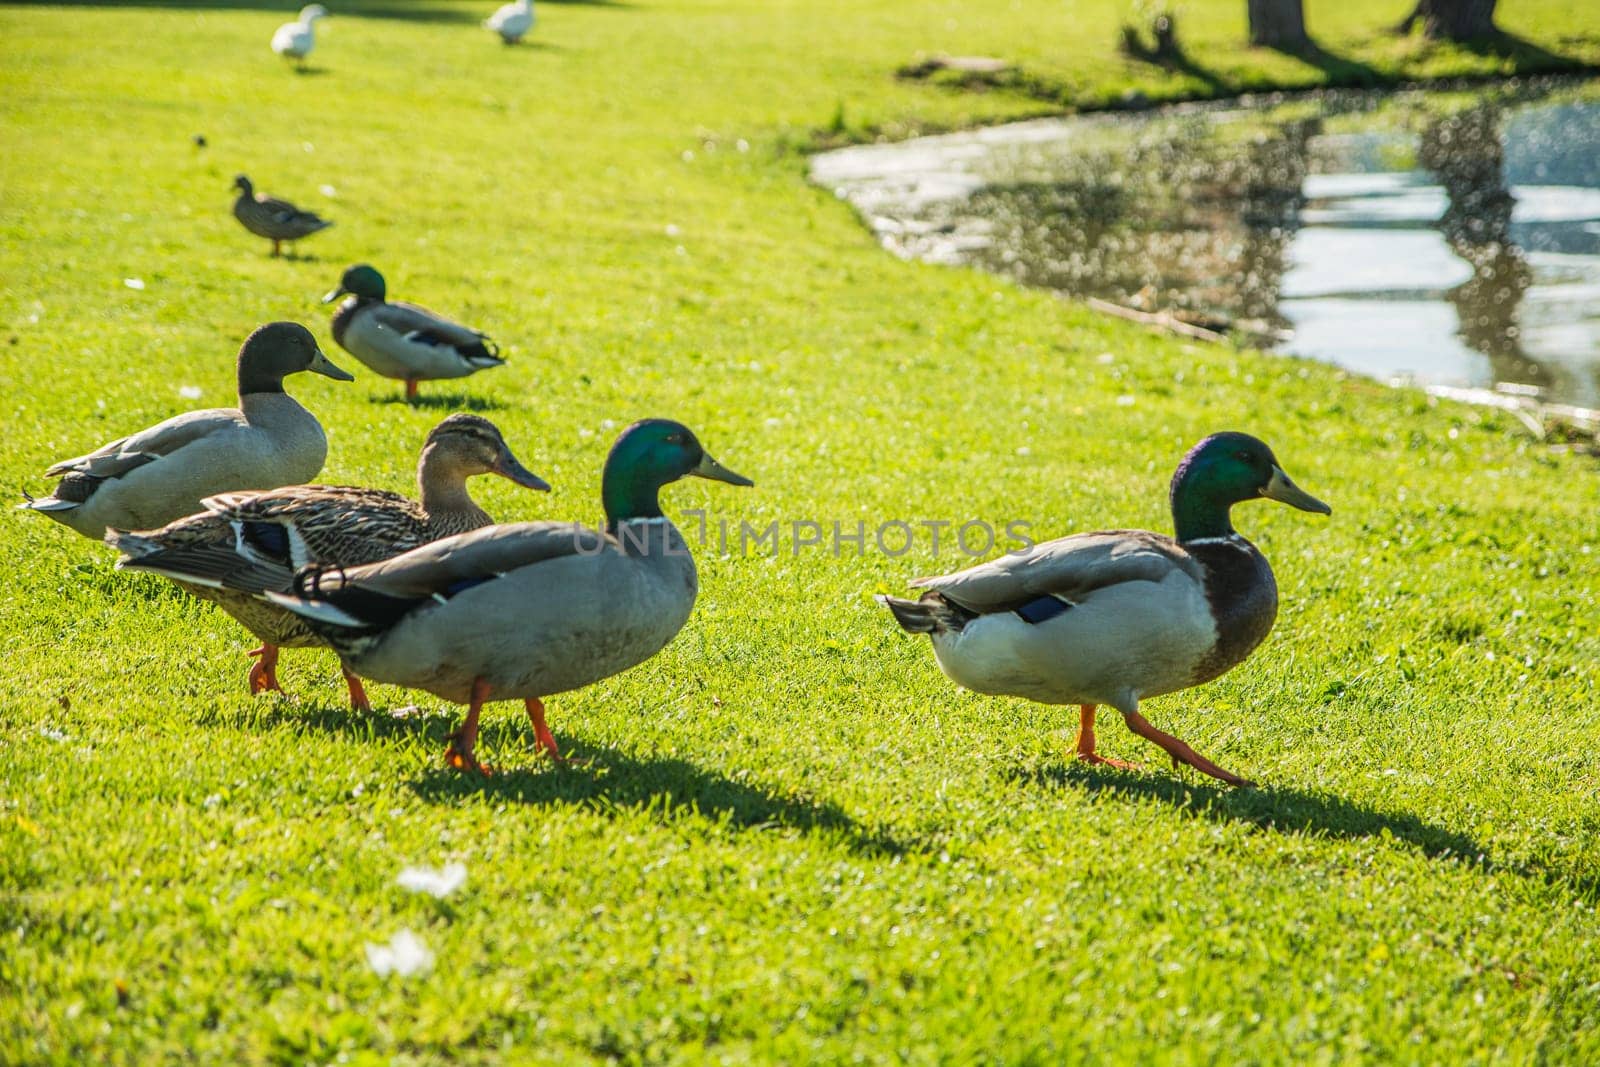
(794, 840)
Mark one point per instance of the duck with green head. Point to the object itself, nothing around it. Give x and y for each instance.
(526, 610)
(1120, 616)
(404, 341)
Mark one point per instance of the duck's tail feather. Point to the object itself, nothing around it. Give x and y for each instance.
(316, 612)
(46, 503)
(928, 615)
(324, 596)
(210, 565)
(73, 489)
(483, 355)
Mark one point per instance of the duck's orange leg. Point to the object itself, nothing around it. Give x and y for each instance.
(541, 731)
(264, 671)
(1086, 751)
(358, 692)
(411, 389)
(464, 741)
(1180, 752)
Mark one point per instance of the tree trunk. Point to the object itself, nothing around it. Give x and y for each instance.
(1279, 24)
(1452, 20)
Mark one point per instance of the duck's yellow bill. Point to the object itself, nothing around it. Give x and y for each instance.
(1284, 491)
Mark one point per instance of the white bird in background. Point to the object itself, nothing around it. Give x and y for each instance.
(294, 40)
(512, 22)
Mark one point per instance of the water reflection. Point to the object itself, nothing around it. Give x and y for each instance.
(1449, 239)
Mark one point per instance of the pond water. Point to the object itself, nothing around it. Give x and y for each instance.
(1449, 239)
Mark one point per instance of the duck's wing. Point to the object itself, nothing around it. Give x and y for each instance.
(285, 212)
(270, 217)
(343, 525)
(202, 549)
(421, 326)
(1069, 568)
(255, 541)
(163, 439)
(379, 594)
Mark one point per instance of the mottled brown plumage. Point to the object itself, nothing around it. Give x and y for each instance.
(276, 220)
(247, 543)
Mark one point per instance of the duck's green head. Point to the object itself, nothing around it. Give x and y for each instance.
(1226, 469)
(241, 183)
(360, 280)
(648, 455)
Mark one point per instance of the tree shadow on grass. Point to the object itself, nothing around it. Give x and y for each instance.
(1171, 57)
(1341, 71)
(1525, 56)
(403, 10)
(1287, 810)
(420, 11)
(668, 789)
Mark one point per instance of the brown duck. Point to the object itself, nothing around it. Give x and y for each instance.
(246, 543)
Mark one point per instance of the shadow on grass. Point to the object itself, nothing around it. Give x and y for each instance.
(1271, 807)
(667, 789)
(1172, 58)
(1294, 811)
(1525, 56)
(452, 401)
(1341, 71)
(403, 10)
(605, 780)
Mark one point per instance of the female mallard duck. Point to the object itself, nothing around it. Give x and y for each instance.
(527, 610)
(511, 21)
(1115, 617)
(404, 341)
(246, 543)
(163, 473)
(276, 220)
(295, 40)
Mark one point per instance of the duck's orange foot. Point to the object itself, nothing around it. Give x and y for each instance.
(264, 672)
(544, 740)
(358, 692)
(1107, 761)
(464, 760)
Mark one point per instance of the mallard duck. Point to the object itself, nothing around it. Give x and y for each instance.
(511, 21)
(1116, 617)
(245, 543)
(162, 473)
(526, 610)
(295, 40)
(404, 341)
(276, 220)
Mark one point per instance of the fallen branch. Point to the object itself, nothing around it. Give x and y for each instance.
(1160, 320)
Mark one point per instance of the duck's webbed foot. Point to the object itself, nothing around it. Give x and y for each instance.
(358, 692)
(1086, 752)
(461, 753)
(546, 740)
(1181, 752)
(264, 671)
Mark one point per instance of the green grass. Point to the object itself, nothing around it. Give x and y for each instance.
(795, 840)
